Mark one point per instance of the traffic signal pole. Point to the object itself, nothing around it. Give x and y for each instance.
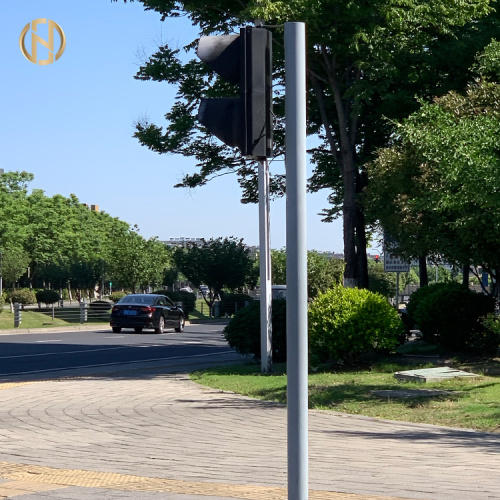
(296, 260)
(266, 356)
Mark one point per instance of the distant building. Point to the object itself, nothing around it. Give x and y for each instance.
(181, 242)
(93, 208)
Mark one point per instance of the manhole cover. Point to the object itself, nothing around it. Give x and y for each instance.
(432, 374)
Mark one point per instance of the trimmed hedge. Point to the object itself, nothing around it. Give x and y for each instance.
(243, 331)
(116, 296)
(100, 305)
(188, 299)
(346, 322)
(48, 297)
(230, 303)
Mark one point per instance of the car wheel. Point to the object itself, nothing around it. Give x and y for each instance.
(180, 328)
(138, 329)
(161, 325)
(116, 329)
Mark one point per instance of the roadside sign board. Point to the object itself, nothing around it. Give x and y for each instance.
(394, 264)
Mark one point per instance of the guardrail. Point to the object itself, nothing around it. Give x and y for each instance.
(79, 314)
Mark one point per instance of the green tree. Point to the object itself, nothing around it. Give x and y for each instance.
(63, 243)
(13, 264)
(366, 61)
(445, 159)
(219, 263)
(14, 229)
(323, 272)
(278, 266)
(380, 281)
(137, 263)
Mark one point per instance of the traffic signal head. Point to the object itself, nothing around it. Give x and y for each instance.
(377, 258)
(245, 121)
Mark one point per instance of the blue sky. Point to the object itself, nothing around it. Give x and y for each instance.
(71, 123)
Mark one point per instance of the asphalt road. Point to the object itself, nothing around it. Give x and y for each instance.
(54, 353)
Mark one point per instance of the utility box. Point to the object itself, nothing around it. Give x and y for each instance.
(278, 291)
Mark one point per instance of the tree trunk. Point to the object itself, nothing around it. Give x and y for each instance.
(361, 250)
(350, 222)
(361, 183)
(422, 266)
(466, 275)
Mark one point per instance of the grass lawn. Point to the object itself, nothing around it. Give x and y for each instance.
(201, 310)
(29, 319)
(471, 403)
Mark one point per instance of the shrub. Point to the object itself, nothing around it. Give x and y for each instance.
(491, 324)
(243, 331)
(230, 303)
(116, 296)
(100, 305)
(346, 322)
(22, 295)
(188, 299)
(422, 294)
(380, 281)
(47, 296)
(449, 314)
(2, 303)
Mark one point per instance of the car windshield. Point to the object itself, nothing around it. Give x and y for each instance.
(138, 299)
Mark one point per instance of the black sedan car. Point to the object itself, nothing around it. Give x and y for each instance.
(139, 311)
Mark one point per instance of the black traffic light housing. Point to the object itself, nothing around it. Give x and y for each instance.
(244, 122)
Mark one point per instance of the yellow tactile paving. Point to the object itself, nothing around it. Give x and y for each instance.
(32, 478)
(10, 385)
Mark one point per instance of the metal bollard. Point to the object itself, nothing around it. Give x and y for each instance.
(17, 314)
(83, 312)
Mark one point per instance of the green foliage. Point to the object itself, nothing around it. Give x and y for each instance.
(323, 272)
(2, 303)
(188, 299)
(47, 296)
(137, 263)
(116, 296)
(366, 62)
(50, 241)
(492, 322)
(491, 335)
(278, 266)
(100, 305)
(233, 302)
(449, 314)
(14, 261)
(346, 322)
(379, 281)
(243, 331)
(23, 296)
(436, 189)
(220, 263)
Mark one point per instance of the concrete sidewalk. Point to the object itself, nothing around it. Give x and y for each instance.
(152, 435)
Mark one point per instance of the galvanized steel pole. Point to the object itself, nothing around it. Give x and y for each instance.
(266, 355)
(296, 259)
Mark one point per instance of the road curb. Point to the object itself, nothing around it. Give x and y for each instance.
(51, 329)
